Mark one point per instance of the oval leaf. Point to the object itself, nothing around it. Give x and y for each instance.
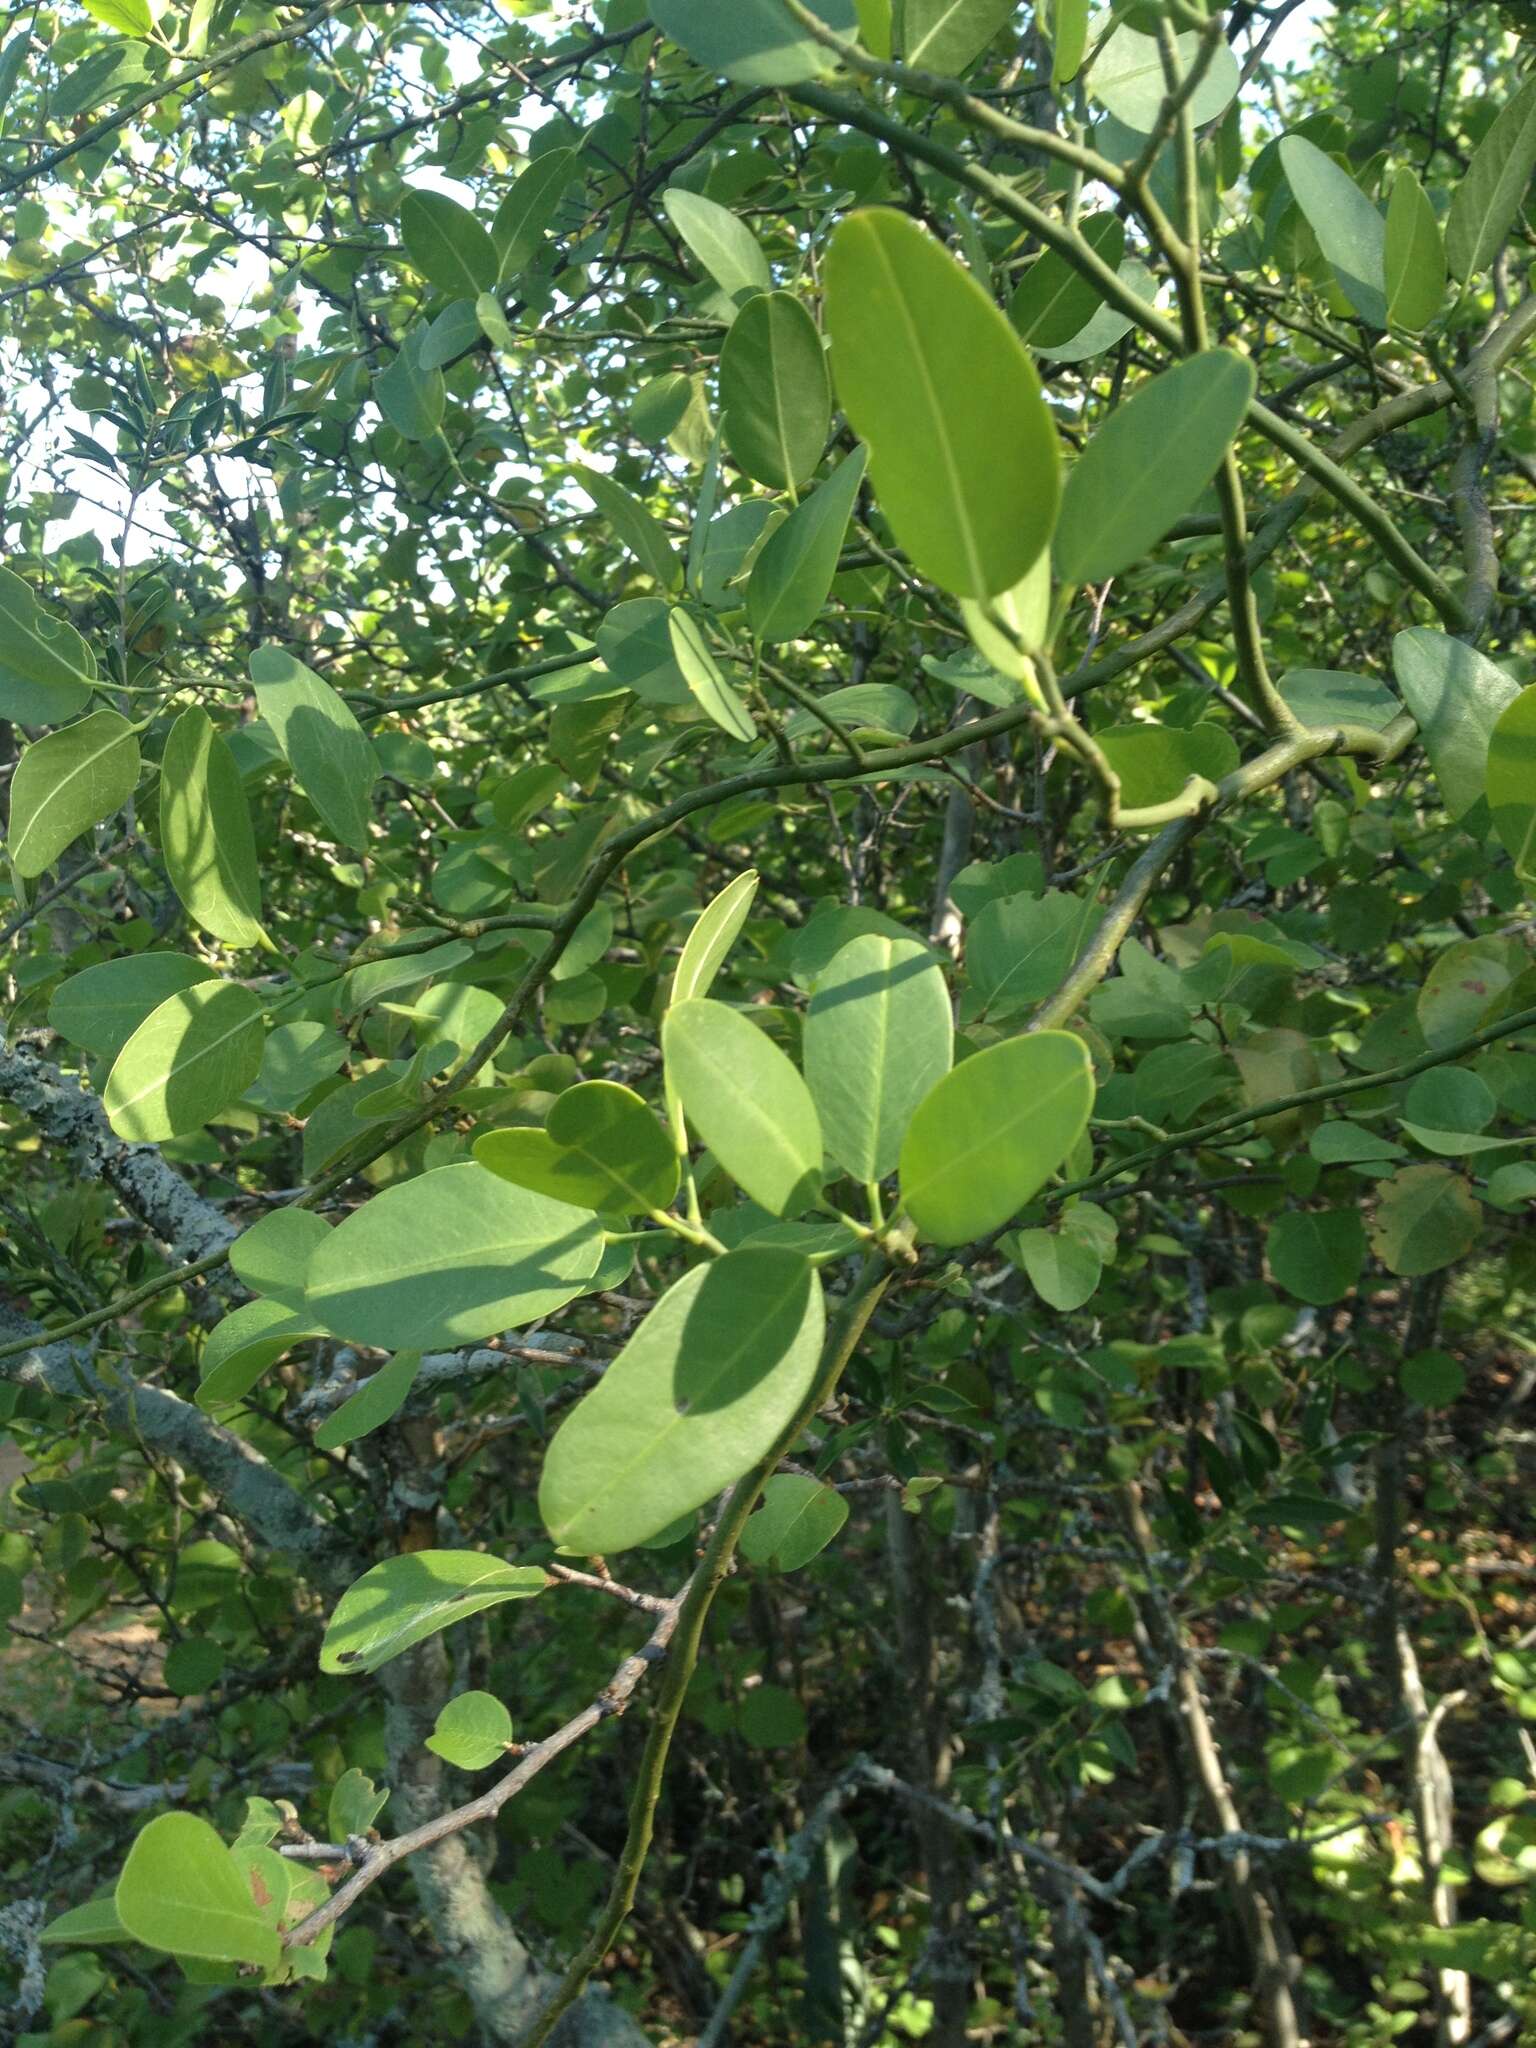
(601, 1148)
(747, 1102)
(182, 1891)
(1349, 230)
(527, 210)
(68, 782)
(878, 1037)
(331, 756)
(705, 1387)
(1491, 191)
(962, 449)
(793, 575)
(472, 1731)
(406, 1599)
(447, 244)
(377, 1401)
(100, 1008)
(990, 1135)
(47, 672)
(1458, 696)
(205, 832)
(775, 391)
(798, 1519)
(1414, 256)
(713, 934)
(1511, 782)
(1148, 463)
(726, 246)
(191, 1057)
(705, 678)
(448, 1258)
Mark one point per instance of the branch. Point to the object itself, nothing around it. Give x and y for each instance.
(611, 1701)
(75, 1124)
(842, 1341)
(1328, 1091)
(245, 1482)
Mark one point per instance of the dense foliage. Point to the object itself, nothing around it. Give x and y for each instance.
(770, 1032)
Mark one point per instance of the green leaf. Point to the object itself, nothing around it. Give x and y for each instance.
(448, 1258)
(447, 245)
(705, 1387)
(406, 1599)
(947, 36)
(183, 1892)
(1458, 696)
(472, 1730)
(294, 1061)
(1108, 325)
(273, 1255)
(1019, 947)
(1488, 195)
(1332, 696)
(633, 525)
(1317, 1254)
(409, 394)
(93, 1925)
(770, 1717)
(100, 1008)
(193, 1665)
(1462, 987)
(1063, 1270)
(193, 1055)
(1053, 301)
(492, 323)
(1451, 1099)
(775, 393)
(328, 751)
(712, 936)
(243, 1345)
(1433, 1379)
(1127, 76)
(1069, 38)
(1155, 762)
(601, 1148)
(1413, 256)
(1511, 781)
(963, 453)
(1148, 463)
(67, 782)
(205, 832)
(635, 642)
(377, 1401)
(991, 1134)
(705, 678)
(1349, 230)
(47, 672)
(133, 17)
(529, 207)
(878, 1036)
(798, 1518)
(354, 1805)
(1004, 626)
(753, 41)
(875, 26)
(724, 245)
(747, 1102)
(454, 331)
(1426, 1217)
(792, 577)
